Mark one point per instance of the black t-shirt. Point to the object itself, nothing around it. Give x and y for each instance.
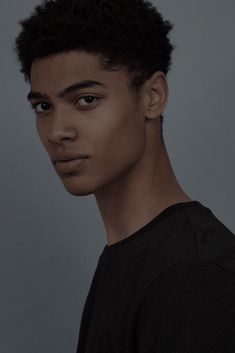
(167, 288)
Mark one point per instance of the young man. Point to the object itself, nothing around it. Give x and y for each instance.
(165, 281)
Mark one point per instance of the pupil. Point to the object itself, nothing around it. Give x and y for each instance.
(89, 99)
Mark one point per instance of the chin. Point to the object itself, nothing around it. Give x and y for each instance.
(79, 193)
(75, 187)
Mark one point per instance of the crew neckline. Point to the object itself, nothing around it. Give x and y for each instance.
(162, 215)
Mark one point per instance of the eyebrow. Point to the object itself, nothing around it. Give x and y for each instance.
(74, 87)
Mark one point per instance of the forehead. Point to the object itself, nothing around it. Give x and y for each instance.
(55, 72)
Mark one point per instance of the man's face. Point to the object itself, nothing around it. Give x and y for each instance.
(106, 123)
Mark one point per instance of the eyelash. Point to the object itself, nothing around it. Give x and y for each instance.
(34, 105)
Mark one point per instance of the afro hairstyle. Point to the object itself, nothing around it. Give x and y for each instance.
(129, 35)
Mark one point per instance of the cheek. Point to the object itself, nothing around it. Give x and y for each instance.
(42, 132)
(121, 140)
(39, 129)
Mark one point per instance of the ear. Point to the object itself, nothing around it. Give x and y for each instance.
(155, 95)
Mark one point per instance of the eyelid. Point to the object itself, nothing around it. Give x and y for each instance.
(77, 98)
(33, 105)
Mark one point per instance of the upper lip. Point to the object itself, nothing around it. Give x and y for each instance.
(67, 156)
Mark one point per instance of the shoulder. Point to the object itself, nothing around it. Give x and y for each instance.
(191, 279)
(197, 290)
(191, 304)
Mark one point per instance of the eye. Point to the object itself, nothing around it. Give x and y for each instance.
(87, 99)
(40, 107)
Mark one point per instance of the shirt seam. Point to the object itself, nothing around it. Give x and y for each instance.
(156, 278)
(193, 234)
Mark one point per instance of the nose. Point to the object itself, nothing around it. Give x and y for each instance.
(61, 129)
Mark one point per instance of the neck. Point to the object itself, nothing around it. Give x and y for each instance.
(133, 200)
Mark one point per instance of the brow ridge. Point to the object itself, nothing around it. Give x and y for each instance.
(74, 87)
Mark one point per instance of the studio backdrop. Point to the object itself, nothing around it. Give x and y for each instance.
(50, 240)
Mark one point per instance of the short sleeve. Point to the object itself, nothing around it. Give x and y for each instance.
(190, 308)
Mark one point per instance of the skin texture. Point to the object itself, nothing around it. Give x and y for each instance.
(128, 169)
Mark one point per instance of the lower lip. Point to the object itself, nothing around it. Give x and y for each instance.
(69, 166)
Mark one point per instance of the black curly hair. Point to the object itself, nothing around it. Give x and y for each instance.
(129, 35)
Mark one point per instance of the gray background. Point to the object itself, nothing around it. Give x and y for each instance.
(51, 240)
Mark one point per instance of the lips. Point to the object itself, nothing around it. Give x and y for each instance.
(69, 166)
(68, 160)
(69, 156)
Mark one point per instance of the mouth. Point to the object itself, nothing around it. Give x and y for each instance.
(67, 160)
(69, 166)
